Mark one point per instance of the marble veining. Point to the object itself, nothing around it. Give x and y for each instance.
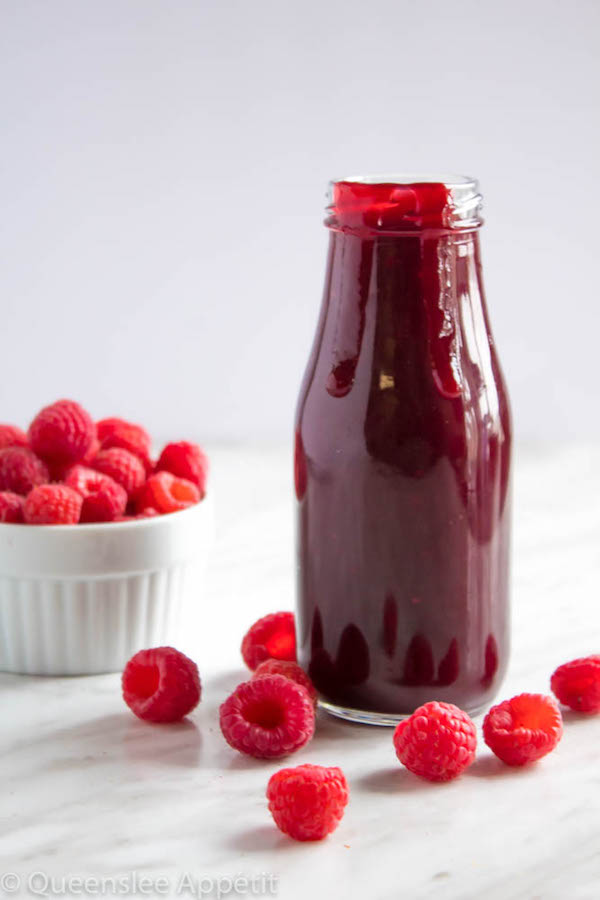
(89, 790)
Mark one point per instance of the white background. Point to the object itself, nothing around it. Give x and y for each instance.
(162, 189)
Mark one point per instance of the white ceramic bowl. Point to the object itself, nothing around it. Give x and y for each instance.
(82, 599)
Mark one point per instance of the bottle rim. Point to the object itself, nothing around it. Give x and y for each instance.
(460, 209)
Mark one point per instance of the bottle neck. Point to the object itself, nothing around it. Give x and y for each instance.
(369, 206)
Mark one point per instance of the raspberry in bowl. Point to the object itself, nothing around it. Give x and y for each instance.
(102, 552)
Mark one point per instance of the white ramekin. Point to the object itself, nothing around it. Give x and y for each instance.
(81, 599)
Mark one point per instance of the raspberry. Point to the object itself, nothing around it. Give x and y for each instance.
(437, 742)
(523, 729)
(21, 470)
(307, 802)
(62, 432)
(161, 685)
(11, 436)
(186, 461)
(272, 637)
(167, 493)
(577, 684)
(268, 717)
(93, 451)
(103, 499)
(59, 470)
(52, 504)
(11, 507)
(288, 669)
(122, 466)
(126, 435)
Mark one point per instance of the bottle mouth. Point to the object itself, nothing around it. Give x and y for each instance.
(401, 203)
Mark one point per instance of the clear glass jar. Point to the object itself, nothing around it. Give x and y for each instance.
(402, 458)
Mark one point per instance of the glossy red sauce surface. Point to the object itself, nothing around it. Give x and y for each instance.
(389, 206)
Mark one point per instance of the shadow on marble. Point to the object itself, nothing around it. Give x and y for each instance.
(242, 762)
(330, 727)
(98, 735)
(12, 681)
(396, 779)
(491, 767)
(177, 744)
(572, 717)
(263, 838)
(54, 683)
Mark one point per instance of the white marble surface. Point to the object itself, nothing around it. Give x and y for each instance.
(89, 790)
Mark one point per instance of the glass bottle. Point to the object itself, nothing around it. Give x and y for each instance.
(402, 459)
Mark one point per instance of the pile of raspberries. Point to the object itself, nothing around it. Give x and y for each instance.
(68, 469)
(273, 714)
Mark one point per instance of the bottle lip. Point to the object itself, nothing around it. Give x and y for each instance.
(404, 202)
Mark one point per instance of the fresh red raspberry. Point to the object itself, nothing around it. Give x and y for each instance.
(577, 684)
(307, 802)
(268, 717)
(437, 742)
(167, 493)
(59, 470)
(186, 461)
(21, 470)
(116, 432)
(523, 729)
(272, 637)
(62, 432)
(92, 452)
(161, 685)
(288, 669)
(83, 479)
(11, 507)
(11, 436)
(103, 499)
(52, 504)
(122, 466)
(104, 505)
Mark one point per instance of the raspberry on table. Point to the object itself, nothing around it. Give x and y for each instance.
(103, 499)
(577, 684)
(307, 802)
(62, 432)
(11, 507)
(268, 717)
(288, 669)
(12, 436)
(115, 432)
(21, 470)
(122, 466)
(523, 729)
(161, 685)
(52, 504)
(272, 637)
(167, 493)
(185, 460)
(436, 742)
